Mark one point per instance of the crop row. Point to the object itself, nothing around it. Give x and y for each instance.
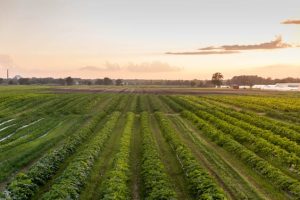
(155, 180)
(27, 135)
(16, 125)
(235, 184)
(18, 103)
(285, 104)
(284, 143)
(272, 112)
(24, 186)
(68, 185)
(256, 144)
(31, 130)
(272, 174)
(200, 183)
(115, 186)
(280, 128)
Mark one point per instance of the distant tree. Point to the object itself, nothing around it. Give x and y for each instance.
(119, 82)
(11, 82)
(61, 81)
(69, 80)
(85, 82)
(193, 83)
(217, 79)
(246, 80)
(24, 81)
(99, 82)
(1, 80)
(107, 81)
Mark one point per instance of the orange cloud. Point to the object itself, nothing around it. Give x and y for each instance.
(152, 67)
(202, 52)
(275, 44)
(146, 67)
(230, 49)
(291, 21)
(107, 67)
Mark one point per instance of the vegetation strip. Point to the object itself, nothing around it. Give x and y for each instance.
(25, 185)
(233, 182)
(116, 184)
(68, 185)
(155, 180)
(201, 184)
(283, 142)
(259, 145)
(274, 175)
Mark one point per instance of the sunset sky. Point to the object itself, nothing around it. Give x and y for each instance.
(157, 39)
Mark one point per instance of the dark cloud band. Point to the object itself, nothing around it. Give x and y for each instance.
(202, 52)
(231, 49)
(291, 21)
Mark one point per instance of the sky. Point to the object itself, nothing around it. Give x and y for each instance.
(157, 39)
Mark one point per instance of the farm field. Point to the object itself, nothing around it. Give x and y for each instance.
(148, 143)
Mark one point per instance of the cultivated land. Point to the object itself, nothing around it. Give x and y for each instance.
(148, 143)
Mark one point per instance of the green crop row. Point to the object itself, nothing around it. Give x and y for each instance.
(284, 143)
(155, 180)
(272, 174)
(277, 127)
(24, 186)
(256, 144)
(200, 183)
(116, 184)
(28, 134)
(68, 185)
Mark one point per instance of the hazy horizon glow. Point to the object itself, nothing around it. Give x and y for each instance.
(129, 39)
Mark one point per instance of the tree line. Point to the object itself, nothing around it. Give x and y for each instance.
(216, 80)
(61, 81)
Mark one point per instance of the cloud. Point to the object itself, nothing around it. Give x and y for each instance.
(6, 61)
(152, 67)
(107, 67)
(202, 52)
(145, 67)
(275, 44)
(230, 49)
(291, 21)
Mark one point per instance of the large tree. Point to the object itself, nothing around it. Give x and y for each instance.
(217, 79)
(99, 82)
(69, 81)
(119, 82)
(107, 81)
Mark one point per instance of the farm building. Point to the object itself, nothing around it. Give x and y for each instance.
(244, 87)
(288, 86)
(225, 86)
(279, 86)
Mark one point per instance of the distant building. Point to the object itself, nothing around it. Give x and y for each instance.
(244, 87)
(279, 87)
(235, 87)
(225, 86)
(288, 86)
(258, 86)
